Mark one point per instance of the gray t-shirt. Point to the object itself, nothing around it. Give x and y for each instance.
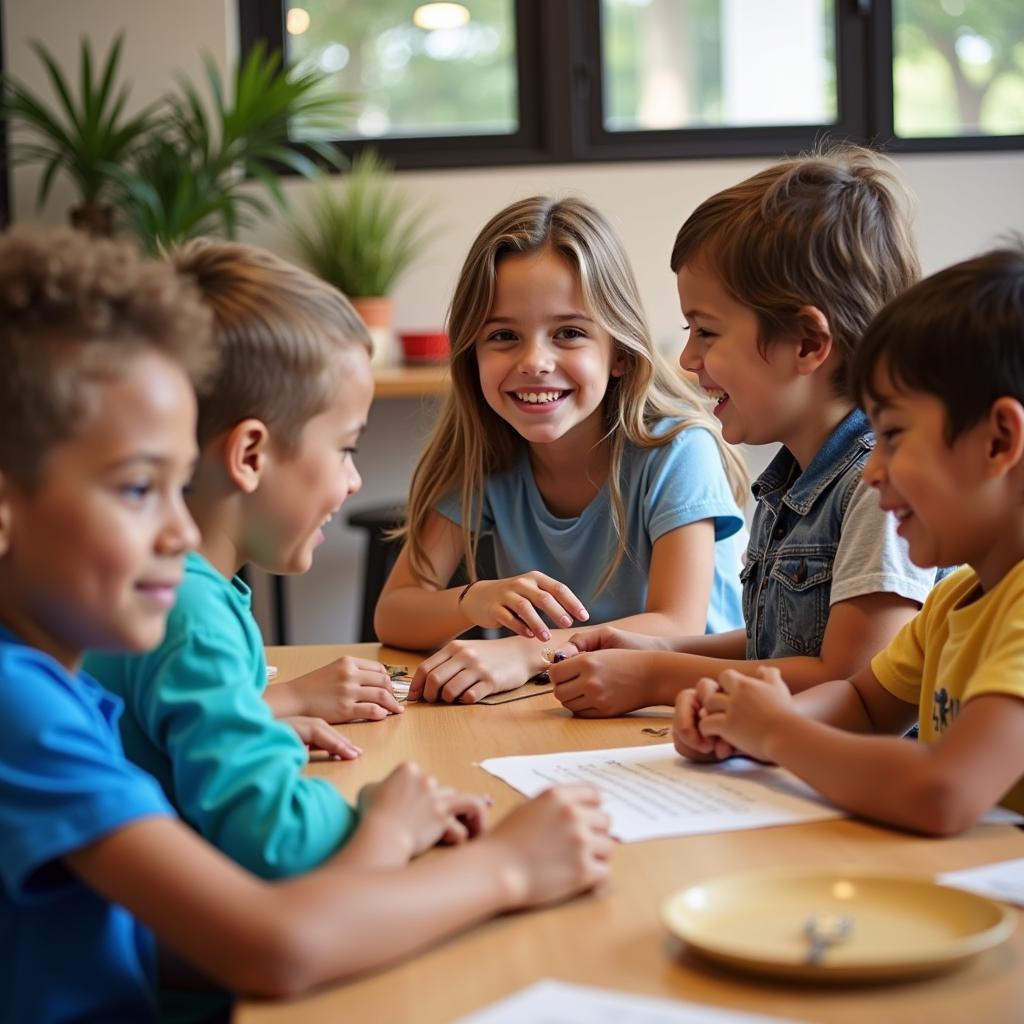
(871, 557)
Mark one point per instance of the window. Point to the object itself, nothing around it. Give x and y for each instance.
(958, 68)
(443, 74)
(520, 81)
(716, 63)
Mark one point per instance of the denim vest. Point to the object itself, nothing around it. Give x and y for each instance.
(787, 578)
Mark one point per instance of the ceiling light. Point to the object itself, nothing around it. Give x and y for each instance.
(435, 16)
(297, 21)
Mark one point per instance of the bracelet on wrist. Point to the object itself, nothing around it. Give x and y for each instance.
(465, 590)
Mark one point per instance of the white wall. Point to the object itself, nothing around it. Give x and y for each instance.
(965, 203)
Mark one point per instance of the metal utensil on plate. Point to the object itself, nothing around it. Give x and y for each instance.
(824, 931)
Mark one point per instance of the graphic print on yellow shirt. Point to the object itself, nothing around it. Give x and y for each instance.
(961, 645)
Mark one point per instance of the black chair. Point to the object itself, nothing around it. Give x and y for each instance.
(381, 553)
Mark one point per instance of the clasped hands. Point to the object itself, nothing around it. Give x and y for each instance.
(732, 714)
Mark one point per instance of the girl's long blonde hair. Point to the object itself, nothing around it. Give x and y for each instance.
(471, 441)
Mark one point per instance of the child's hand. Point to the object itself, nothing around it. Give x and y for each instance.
(554, 846)
(318, 735)
(609, 637)
(686, 731)
(743, 708)
(469, 670)
(346, 690)
(518, 601)
(603, 684)
(421, 812)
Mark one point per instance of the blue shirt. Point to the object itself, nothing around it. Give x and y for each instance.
(663, 488)
(195, 718)
(818, 537)
(66, 953)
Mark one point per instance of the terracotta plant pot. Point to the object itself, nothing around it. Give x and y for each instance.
(424, 347)
(378, 314)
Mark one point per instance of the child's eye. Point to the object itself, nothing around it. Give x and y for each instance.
(701, 332)
(570, 333)
(890, 434)
(501, 336)
(137, 490)
(350, 452)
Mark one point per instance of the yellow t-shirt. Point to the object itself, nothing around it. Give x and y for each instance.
(956, 648)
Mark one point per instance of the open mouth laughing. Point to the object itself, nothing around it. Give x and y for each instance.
(717, 395)
(536, 399)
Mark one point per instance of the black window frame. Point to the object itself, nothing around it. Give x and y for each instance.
(558, 55)
(5, 171)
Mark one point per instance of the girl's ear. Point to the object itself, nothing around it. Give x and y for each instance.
(1006, 435)
(815, 339)
(619, 361)
(245, 454)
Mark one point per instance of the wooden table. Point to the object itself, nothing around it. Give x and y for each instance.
(410, 381)
(614, 937)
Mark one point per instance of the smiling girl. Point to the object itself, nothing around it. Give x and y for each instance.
(597, 468)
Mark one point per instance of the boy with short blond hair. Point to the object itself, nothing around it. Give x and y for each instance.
(278, 425)
(97, 441)
(941, 372)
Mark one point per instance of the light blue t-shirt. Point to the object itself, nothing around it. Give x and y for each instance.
(195, 718)
(663, 488)
(66, 953)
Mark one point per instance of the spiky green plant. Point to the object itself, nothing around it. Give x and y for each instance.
(80, 135)
(361, 233)
(197, 173)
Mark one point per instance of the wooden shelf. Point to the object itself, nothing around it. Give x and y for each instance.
(410, 381)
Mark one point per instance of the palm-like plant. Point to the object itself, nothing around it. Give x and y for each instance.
(165, 199)
(360, 236)
(80, 136)
(191, 177)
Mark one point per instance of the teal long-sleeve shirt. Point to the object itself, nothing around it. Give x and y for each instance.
(195, 718)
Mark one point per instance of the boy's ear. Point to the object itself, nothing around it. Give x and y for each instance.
(815, 338)
(245, 453)
(1006, 435)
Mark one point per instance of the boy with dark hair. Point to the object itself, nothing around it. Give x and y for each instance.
(941, 372)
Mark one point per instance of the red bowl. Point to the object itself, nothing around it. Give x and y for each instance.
(424, 346)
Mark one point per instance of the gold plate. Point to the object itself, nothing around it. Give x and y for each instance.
(901, 926)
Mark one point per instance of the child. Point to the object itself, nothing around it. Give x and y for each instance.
(98, 439)
(942, 374)
(596, 467)
(778, 278)
(277, 432)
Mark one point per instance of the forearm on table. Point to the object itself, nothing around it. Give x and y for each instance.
(732, 645)
(671, 673)
(374, 844)
(887, 778)
(651, 623)
(420, 619)
(365, 919)
(284, 700)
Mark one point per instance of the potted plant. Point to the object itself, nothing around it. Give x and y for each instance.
(360, 234)
(185, 165)
(196, 174)
(80, 136)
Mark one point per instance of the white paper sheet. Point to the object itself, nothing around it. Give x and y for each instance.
(1001, 881)
(555, 1002)
(651, 791)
